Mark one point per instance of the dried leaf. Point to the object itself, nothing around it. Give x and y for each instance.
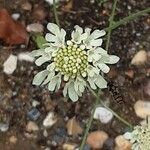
(11, 32)
(73, 128)
(69, 5)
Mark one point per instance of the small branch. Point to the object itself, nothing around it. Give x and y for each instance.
(110, 24)
(127, 19)
(88, 125)
(55, 13)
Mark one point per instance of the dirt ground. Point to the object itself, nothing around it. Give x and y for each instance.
(17, 92)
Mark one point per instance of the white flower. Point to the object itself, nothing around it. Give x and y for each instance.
(140, 136)
(78, 61)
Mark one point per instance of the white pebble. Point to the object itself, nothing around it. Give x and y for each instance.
(139, 58)
(103, 115)
(142, 108)
(50, 120)
(15, 16)
(35, 27)
(26, 57)
(10, 64)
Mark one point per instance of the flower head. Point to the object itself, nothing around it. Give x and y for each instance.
(76, 60)
(140, 136)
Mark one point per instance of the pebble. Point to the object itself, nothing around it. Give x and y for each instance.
(4, 127)
(45, 133)
(34, 114)
(35, 27)
(49, 120)
(15, 16)
(103, 114)
(68, 146)
(35, 103)
(139, 58)
(10, 64)
(97, 139)
(25, 57)
(122, 143)
(73, 127)
(142, 108)
(86, 147)
(26, 6)
(109, 144)
(32, 126)
(147, 88)
(13, 139)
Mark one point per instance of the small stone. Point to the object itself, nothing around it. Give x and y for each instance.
(26, 6)
(15, 16)
(10, 64)
(73, 127)
(50, 120)
(45, 133)
(122, 143)
(4, 127)
(97, 139)
(68, 146)
(139, 58)
(109, 144)
(35, 27)
(142, 108)
(13, 139)
(32, 126)
(34, 114)
(25, 57)
(86, 147)
(103, 115)
(35, 103)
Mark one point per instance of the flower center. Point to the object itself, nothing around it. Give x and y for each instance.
(71, 61)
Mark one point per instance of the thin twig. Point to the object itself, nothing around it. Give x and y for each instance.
(88, 125)
(55, 13)
(111, 18)
(127, 19)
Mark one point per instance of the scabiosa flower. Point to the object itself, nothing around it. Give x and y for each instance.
(77, 61)
(140, 136)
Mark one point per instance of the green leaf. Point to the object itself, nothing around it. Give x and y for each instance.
(39, 78)
(39, 40)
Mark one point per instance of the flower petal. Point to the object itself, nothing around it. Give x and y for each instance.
(49, 77)
(104, 67)
(113, 59)
(41, 60)
(96, 43)
(97, 34)
(53, 28)
(39, 78)
(72, 93)
(101, 82)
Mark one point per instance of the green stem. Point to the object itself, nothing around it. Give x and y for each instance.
(88, 125)
(55, 13)
(127, 19)
(114, 113)
(110, 24)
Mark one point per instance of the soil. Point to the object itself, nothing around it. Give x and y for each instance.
(17, 91)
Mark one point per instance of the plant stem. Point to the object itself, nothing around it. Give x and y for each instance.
(114, 113)
(55, 13)
(111, 18)
(88, 125)
(127, 19)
